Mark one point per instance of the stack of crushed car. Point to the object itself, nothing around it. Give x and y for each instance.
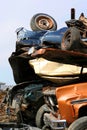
(50, 71)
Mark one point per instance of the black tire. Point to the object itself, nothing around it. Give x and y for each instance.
(39, 116)
(79, 124)
(71, 39)
(43, 21)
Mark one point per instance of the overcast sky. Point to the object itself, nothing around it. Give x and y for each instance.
(17, 13)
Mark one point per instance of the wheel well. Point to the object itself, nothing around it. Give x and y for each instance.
(83, 111)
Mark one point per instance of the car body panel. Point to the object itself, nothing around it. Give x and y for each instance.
(54, 37)
(65, 95)
(55, 71)
(23, 33)
(62, 56)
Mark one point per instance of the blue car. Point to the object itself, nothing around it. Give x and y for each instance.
(26, 38)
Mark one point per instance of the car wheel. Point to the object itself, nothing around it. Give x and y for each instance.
(71, 39)
(43, 21)
(79, 124)
(40, 114)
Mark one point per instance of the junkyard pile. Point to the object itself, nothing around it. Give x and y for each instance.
(44, 57)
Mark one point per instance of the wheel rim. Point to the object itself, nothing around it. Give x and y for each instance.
(44, 22)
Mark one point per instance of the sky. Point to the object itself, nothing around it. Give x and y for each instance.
(18, 13)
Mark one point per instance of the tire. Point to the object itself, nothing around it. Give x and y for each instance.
(79, 124)
(39, 116)
(43, 21)
(71, 39)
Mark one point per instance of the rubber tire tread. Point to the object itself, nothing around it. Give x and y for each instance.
(34, 26)
(79, 124)
(39, 116)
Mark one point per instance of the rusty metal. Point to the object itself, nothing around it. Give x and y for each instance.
(44, 22)
(72, 13)
(62, 56)
(7, 113)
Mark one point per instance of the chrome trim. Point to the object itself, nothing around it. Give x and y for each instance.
(79, 101)
(54, 122)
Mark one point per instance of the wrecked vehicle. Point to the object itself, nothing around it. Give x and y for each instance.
(72, 38)
(59, 56)
(68, 108)
(29, 97)
(35, 45)
(31, 41)
(56, 117)
(18, 106)
(28, 91)
(25, 40)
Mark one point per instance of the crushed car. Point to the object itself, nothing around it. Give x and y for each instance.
(27, 92)
(67, 109)
(44, 46)
(75, 100)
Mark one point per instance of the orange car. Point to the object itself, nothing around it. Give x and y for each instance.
(69, 110)
(72, 101)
